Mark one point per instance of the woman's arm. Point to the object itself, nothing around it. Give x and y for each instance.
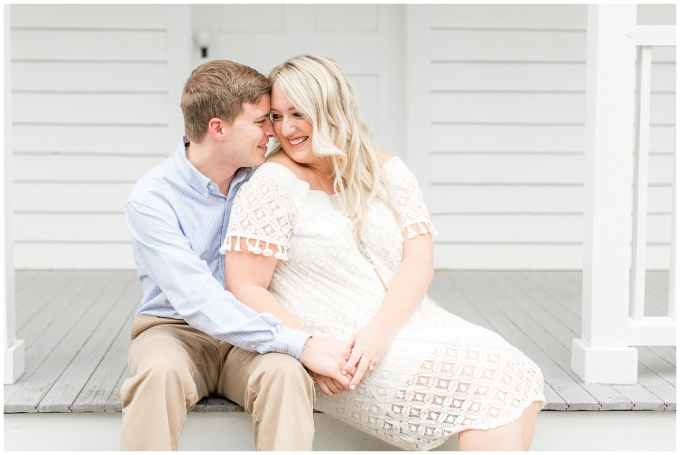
(404, 296)
(247, 276)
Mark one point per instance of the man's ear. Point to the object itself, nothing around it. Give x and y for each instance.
(216, 128)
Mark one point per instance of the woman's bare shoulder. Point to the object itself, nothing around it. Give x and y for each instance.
(285, 161)
(383, 156)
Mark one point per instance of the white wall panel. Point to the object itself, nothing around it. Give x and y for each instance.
(71, 197)
(110, 139)
(511, 108)
(87, 168)
(89, 16)
(74, 256)
(58, 227)
(126, 45)
(504, 45)
(90, 76)
(345, 18)
(246, 18)
(91, 108)
(451, 198)
(554, 17)
(507, 138)
(527, 168)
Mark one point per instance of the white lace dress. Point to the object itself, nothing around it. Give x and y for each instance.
(441, 374)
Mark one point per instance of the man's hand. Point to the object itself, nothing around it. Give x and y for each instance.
(326, 356)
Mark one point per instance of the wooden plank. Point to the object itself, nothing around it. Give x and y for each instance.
(75, 330)
(345, 18)
(553, 402)
(482, 292)
(547, 331)
(72, 168)
(32, 299)
(609, 398)
(656, 14)
(84, 45)
(75, 256)
(551, 17)
(658, 387)
(668, 353)
(656, 364)
(90, 76)
(643, 399)
(535, 168)
(113, 139)
(555, 298)
(217, 404)
(71, 227)
(99, 387)
(71, 197)
(247, 18)
(64, 299)
(508, 45)
(23, 279)
(51, 325)
(507, 256)
(90, 108)
(66, 389)
(89, 16)
(115, 402)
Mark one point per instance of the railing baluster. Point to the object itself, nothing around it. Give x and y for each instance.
(637, 271)
(674, 273)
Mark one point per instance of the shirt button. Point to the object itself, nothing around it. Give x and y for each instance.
(205, 194)
(288, 352)
(252, 346)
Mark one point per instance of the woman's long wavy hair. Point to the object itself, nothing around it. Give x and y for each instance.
(321, 92)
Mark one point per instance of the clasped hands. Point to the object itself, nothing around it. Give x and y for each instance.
(339, 366)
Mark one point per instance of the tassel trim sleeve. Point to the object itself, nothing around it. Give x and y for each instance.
(262, 215)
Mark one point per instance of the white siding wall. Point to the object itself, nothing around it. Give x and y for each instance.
(507, 136)
(90, 99)
(94, 91)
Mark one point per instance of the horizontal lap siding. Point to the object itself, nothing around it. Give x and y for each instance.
(507, 137)
(90, 113)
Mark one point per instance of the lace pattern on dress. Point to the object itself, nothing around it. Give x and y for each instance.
(260, 214)
(408, 199)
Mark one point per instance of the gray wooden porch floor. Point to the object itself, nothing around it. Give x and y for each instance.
(76, 327)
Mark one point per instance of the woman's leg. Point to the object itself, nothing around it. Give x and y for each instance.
(506, 437)
(516, 435)
(528, 420)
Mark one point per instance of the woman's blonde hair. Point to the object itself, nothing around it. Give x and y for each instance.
(321, 92)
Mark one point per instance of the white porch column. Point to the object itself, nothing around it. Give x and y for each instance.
(602, 355)
(14, 349)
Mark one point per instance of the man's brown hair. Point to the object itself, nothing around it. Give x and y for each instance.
(218, 89)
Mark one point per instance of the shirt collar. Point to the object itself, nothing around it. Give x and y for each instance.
(199, 181)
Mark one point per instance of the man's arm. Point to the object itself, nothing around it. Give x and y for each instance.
(188, 284)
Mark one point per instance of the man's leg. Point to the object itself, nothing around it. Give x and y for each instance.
(277, 392)
(173, 367)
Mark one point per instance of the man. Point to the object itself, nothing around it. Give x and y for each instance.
(192, 338)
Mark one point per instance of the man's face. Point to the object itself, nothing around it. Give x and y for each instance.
(247, 138)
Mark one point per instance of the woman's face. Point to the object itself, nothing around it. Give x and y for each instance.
(293, 130)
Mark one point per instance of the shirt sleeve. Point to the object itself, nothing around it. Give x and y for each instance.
(262, 215)
(409, 201)
(196, 295)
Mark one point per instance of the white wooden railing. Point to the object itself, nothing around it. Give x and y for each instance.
(649, 330)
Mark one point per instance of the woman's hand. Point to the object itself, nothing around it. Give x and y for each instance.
(329, 386)
(369, 346)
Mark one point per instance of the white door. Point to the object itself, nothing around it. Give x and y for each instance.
(365, 40)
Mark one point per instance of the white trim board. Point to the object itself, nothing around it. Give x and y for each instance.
(613, 430)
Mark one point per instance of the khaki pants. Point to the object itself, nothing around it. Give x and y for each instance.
(174, 365)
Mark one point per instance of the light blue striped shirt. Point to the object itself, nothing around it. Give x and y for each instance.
(177, 219)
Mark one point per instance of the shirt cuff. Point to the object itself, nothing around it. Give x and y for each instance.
(290, 341)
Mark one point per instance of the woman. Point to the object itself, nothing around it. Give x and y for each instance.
(332, 236)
